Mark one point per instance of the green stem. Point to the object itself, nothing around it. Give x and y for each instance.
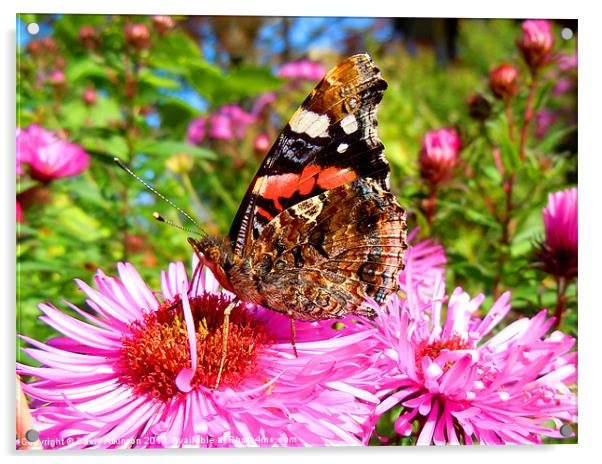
(528, 116)
(561, 287)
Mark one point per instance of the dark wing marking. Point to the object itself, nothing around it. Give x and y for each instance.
(329, 141)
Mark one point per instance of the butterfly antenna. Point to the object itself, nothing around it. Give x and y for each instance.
(160, 218)
(201, 232)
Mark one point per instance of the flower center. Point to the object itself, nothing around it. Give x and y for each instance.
(433, 349)
(158, 348)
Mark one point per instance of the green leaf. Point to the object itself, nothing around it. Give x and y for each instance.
(112, 146)
(175, 113)
(167, 148)
(83, 69)
(157, 81)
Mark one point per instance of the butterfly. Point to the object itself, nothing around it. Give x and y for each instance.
(318, 231)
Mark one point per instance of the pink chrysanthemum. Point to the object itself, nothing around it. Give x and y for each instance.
(558, 254)
(48, 156)
(124, 374)
(457, 384)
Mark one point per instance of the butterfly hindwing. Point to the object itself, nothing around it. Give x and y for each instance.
(323, 257)
(329, 141)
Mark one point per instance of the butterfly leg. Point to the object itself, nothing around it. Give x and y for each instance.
(293, 336)
(225, 331)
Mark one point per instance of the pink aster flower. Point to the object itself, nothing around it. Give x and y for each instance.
(220, 127)
(239, 119)
(197, 131)
(559, 252)
(302, 70)
(48, 156)
(459, 384)
(439, 155)
(137, 369)
(536, 42)
(19, 212)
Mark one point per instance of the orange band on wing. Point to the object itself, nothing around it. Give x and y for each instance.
(330, 178)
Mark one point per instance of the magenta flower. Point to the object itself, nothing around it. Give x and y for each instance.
(220, 127)
(302, 70)
(458, 384)
(239, 119)
(48, 156)
(536, 42)
(559, 252)
(439, 155)
(197, 130)
(137, 370)
(19, 212)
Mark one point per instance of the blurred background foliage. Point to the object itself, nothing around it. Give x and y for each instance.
(133, 94)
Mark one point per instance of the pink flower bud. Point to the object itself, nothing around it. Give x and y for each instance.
(262, 144)
(138, 36)
(536, 42)
(90, 96)
(163, 24)
(503, 81)
(558, 253)
(57, 78)
(89, 37)
(439, 155)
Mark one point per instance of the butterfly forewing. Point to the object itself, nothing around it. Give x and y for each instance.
(329, 141)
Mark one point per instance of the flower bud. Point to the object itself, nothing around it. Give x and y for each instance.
(262, 144)
(90, 96)
(479, 107)
(163, 24)
(503, 81)
(138, 36)
(536, 42)
(439, 155)
(558, 253)
(89, 38)
(57, 78)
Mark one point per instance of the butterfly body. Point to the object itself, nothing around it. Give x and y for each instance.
(318, 231)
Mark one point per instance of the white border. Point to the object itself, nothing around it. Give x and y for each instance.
(590, 73)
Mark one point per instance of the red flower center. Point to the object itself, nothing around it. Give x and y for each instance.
(433, 349)
(157, 347)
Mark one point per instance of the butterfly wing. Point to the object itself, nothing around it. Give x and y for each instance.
(329, 141)
(322, 258)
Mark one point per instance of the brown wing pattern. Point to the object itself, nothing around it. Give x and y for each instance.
(323, 257)
(329, 141)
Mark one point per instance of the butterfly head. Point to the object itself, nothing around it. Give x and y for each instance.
(217, 256)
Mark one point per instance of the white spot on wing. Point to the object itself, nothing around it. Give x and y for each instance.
(342, 148)
(310, 123)
(349, 124)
